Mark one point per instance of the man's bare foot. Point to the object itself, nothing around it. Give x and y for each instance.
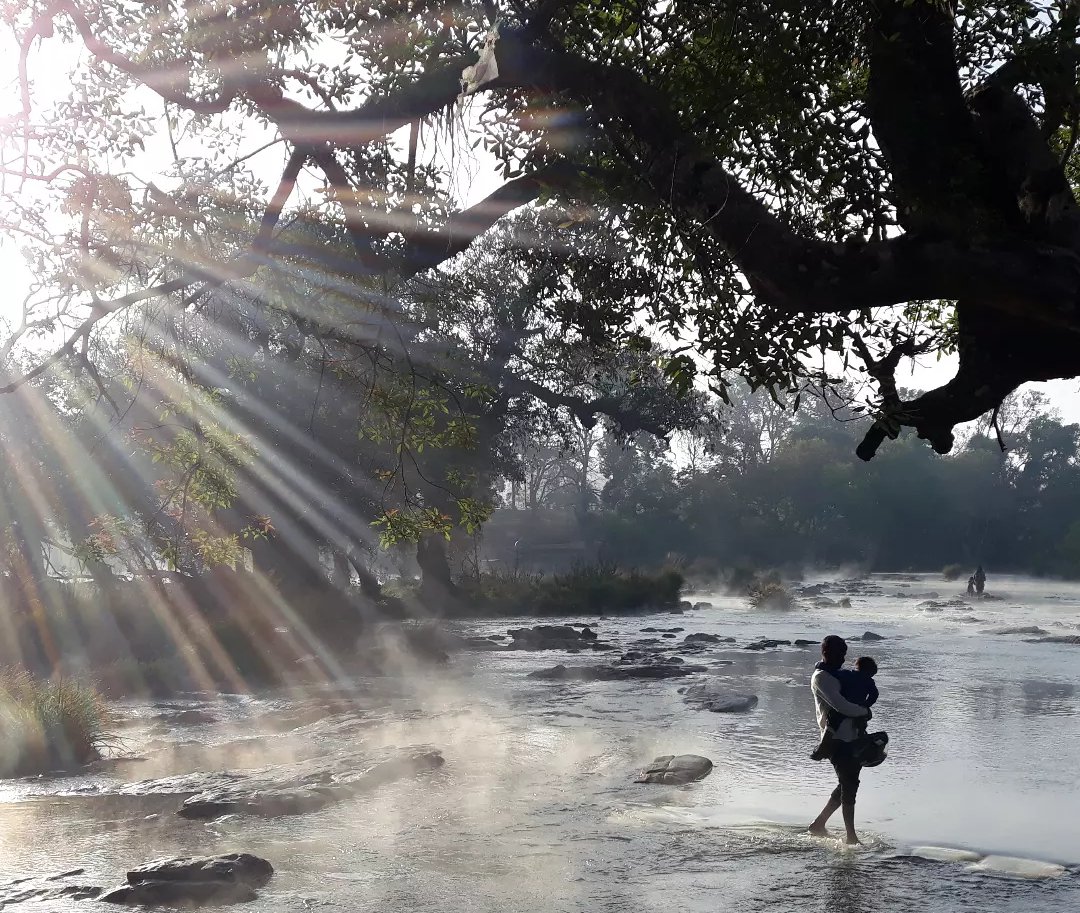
(817, 830)
(852, 840)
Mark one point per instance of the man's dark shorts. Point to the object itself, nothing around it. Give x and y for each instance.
(847, 773)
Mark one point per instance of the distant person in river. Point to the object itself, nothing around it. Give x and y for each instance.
(971, 586)
(980, 579)
(826, 686)
(858, 686)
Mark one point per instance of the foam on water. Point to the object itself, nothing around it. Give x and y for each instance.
(1019, 868)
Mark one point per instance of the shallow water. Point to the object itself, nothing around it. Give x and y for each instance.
(975, 809)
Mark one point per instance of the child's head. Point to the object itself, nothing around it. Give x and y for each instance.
(866, 665)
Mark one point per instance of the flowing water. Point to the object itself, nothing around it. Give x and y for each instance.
(975, 809)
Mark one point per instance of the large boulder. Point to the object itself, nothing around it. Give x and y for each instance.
(715, 697)
(191, 881)
(237, 867)
(869, 636)
(676, 769)
(311, 787)
(553, 637)
(701, 638)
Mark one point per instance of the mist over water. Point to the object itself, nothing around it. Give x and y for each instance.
(534, 808)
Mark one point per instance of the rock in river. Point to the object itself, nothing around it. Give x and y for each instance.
(554, 637)
(615, 673)
(701, 638)
(231, 878)
(676, 769)
(765, 644)
(60, 886)
(713, 696)
(869, 635)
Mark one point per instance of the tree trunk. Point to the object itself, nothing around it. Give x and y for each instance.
(436, 585)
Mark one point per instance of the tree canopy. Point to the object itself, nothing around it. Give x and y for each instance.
(786, 189)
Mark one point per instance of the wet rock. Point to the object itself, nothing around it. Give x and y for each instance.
(844, 603)
(802, 642)
(178, 893)
(615, 673)
(823, 601)
(307, 787)
(815, 589)
(662, 630)
(669, 636)
(1073, 639)
(765, 644)
(1031, 630)
(242, 868)
(715, 697)
(53, 888)
(676, 769)
(187, 718)
(701, 606)
(553, 637)
(646, 642)
(702, 638)
(869, 635)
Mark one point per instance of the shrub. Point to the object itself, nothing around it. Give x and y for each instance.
(50, 724)
(585, 588)
(771, 595)
(952, 571)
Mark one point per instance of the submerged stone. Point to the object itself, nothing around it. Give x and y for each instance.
(714, 697)
(676, 769)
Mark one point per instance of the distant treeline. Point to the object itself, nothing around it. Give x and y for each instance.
(759, 486)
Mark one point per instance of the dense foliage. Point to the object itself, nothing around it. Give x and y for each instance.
(789, 187)
(760, 487)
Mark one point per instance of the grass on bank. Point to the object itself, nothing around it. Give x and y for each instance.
(50, 724)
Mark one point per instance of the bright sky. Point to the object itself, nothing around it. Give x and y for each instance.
(475, 178)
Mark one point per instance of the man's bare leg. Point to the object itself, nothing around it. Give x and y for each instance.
(817, 828)
(849, 824)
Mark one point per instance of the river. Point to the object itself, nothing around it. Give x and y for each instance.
(975, 809)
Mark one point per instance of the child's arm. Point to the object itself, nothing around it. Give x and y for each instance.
(871, 694)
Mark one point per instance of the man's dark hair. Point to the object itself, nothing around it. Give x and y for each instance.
(866, 664)
(834, 648)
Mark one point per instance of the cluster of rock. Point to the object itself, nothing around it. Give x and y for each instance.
(293, 789)
(556, 637)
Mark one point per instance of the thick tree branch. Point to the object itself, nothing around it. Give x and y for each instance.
(922, 124)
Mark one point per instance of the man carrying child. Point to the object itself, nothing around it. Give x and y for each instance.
(842, 699)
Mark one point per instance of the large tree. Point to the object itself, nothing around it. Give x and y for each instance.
(806, 184)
